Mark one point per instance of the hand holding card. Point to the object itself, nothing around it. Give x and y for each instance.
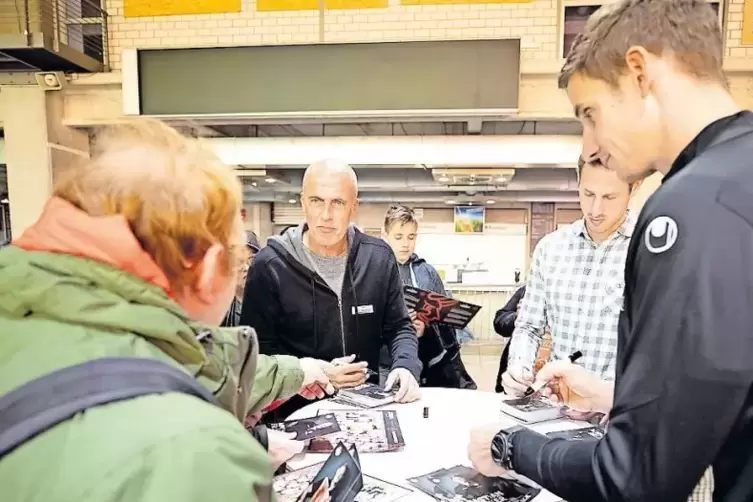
(309, 428)
(342, 475)
(345, 373)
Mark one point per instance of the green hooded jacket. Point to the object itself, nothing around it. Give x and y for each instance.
(58, 310)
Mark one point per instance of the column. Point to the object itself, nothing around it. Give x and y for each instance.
(37, 145)
(259, 219)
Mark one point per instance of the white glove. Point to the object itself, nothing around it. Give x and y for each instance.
(282, 447)
(408, 391)
(316, 384)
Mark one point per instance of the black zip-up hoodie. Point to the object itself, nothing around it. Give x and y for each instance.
(295, 312)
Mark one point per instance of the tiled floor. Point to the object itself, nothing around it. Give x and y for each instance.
(482, 362)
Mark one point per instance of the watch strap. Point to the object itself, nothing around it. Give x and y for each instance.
(502, 447)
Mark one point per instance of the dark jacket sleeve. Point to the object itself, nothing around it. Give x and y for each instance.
(504, 319)
(684, 370)
(397, 328)
(259, 432)
(261, 306)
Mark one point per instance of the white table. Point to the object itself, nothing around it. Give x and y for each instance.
(440, 441)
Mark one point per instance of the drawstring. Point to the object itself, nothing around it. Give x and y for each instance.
(313, 301)
(355, 298)
(413, 278)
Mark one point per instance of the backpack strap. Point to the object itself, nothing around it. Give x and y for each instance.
(41, 404)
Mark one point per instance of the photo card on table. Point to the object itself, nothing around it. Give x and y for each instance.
(371, 431)
(309, 428)
(462, 483)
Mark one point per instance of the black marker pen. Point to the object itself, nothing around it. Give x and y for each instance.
(573, 357)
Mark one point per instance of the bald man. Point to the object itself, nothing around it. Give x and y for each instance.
(326, 290)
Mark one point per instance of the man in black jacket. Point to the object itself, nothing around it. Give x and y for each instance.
(326, 290)
(646, 80)
(504, 325)
(233, 315)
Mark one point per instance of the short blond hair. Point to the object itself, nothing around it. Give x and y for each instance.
(687, 29)
(177, 196)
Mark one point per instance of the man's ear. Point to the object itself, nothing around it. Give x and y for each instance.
(635, 187)
(209, 274)
(354, 214)
(636, 61)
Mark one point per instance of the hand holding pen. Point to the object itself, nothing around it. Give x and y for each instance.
(575, 387)
(539, 385)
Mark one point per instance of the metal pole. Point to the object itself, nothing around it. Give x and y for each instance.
(27, 27)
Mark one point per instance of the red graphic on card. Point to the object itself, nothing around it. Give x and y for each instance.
(433, 305)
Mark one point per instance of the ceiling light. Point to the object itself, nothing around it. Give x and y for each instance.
(270, 180)
(491, 201)
(292, 201)
(5, 201)
(253, 183)
(450, 202)
(444, 179)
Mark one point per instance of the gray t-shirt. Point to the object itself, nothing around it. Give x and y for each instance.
(332, 269)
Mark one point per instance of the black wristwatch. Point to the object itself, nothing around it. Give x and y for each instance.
(502, 447)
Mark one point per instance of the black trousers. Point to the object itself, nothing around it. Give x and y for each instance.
(502, 368)
(449, 373)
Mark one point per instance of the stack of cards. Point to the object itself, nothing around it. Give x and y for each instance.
(365, 396)
(461, 483)
(371, 431)
(298, 485)
(532, 409)
(593, 432)
(309, 428)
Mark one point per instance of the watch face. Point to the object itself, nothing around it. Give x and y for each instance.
(499, 448)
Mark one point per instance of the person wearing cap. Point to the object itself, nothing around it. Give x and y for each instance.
(233, 315)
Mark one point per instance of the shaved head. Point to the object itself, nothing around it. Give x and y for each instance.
(329, 199)
(331, 168)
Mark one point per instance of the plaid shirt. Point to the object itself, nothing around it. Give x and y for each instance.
(575, 289)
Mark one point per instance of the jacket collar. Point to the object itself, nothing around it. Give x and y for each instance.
(578, 227)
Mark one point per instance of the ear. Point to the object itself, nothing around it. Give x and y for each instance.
(636, 186)
(637, 63)
(355, 211)
(209, 274)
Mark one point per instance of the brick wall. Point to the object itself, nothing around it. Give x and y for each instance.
(735, 31)
(536, 24)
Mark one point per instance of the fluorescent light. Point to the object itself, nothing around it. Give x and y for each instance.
(444, 179)
(450, 202)
(253, 183)
(491, 201)
(292, 201)
(270, 180)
